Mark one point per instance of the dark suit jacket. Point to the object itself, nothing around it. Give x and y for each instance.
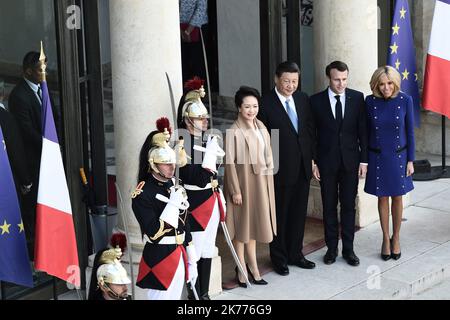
(14, 148)
(293, 147)
(350, 141)
(25, 107)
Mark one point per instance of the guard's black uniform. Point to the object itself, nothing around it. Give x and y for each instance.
(159, 261)
(194, 174)
(206, 209)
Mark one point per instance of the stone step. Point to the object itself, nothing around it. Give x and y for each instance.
(426, 282)
(440, 291)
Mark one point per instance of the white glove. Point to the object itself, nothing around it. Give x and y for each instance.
(213, 150)
(193, 273)
(176, 202)
(192, 254)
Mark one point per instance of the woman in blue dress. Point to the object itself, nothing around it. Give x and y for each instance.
(391, 152)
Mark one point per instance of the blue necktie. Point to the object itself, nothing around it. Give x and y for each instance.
(292, 115)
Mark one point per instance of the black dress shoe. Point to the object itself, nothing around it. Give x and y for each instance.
(303, 263)
(281, 270)
(351, 259)
(330, 256)
(254, 281)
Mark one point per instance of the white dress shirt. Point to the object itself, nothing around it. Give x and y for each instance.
(333, 101)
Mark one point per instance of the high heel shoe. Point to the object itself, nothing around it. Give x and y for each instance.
(260, 281)
(385, 257)
(241, 284)
(395, 256)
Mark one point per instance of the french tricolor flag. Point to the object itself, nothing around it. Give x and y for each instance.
(436, 91)
(56, 248)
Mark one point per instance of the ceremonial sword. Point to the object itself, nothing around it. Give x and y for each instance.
(177, 167)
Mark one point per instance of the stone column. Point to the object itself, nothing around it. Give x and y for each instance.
(145, 43)
(346, 30)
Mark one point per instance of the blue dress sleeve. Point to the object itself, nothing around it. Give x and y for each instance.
(409, 126)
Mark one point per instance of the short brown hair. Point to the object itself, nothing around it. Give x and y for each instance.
(338, 65)
(391, 74)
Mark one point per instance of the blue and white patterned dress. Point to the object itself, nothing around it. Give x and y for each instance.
(194, 12)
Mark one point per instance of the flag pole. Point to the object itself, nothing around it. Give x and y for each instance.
(443, 144)
(55, 293)
(445, 168)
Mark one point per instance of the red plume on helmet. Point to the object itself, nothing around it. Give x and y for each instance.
(163, 123)
(119, 239)
(194, 83)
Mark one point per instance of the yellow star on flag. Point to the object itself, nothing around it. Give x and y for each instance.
(402, 13)
(21, 229)
(416, 76)
(405, 74)
(397, 64)
(394, 48)
(5, 227)
(396, 28)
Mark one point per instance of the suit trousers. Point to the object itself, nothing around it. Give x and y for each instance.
(291, 207)
(342, 185)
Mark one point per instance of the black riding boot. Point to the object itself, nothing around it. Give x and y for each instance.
(204, 273)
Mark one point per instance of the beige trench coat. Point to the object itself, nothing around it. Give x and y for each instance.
(249, 172)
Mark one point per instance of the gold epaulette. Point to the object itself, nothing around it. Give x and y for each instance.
(138, 190)
(161, 231)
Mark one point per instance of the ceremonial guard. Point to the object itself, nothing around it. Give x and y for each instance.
(207, 204)
(111, 276)
(160, 206)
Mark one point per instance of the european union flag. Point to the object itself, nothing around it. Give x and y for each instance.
(14, 264)
(402, 54)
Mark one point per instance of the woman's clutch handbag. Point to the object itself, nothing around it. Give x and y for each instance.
(195, 33)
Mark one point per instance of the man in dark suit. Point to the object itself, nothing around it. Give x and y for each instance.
(25, 104)
(17, 160)
(287, 110)
(16, 153)
(341, 137)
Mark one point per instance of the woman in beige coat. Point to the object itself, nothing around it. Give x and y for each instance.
(248, 183)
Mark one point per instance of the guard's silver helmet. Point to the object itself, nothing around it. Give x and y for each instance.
(161, 152)
(111, 271)
(193, 106)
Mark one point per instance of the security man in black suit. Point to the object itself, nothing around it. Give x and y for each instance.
(25, 104)
(287, 110)
(21, 172)
(16, 152)
(341, 137)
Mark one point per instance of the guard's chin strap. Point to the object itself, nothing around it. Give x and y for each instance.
(194, 125)
(114, 295)
(162, 176)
